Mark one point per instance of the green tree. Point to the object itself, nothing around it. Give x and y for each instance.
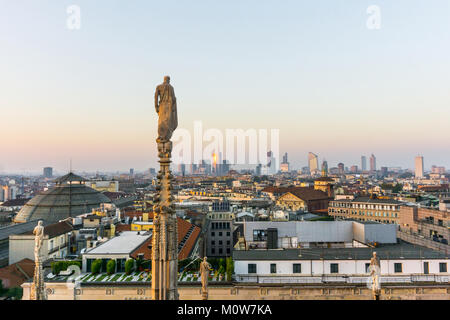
(229, 268)
(398, 188)
(58, 266)
(15, 293)
(111, 266)
(96, 266)
(222, 263)
(129, 265)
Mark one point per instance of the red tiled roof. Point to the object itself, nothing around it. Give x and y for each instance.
(304, 193)
(183, 229)
(123, 227)
(55, 229)
(16, 274)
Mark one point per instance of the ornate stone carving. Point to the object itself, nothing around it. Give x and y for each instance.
(165, 242)
(38, 287)
(166, 107)
(375, 272)
(205, 267)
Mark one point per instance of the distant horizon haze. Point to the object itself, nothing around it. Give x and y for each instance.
(312, 69)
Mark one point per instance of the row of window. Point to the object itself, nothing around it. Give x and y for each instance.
(368, 213)
(334, 267)
(259, 235)
(220, 251)
(213, 242)
(213, 234)
(220, 225)
(365, 206)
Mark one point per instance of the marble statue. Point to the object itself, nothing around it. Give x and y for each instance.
(38, 288)
(375, 272)
(165, 226)
(205, 267)
(166, 107)
(38, 240)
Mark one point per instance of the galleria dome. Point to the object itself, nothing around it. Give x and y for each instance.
(70, 197)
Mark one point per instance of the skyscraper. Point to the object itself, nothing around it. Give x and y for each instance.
(313, 161)
(373, 163)
(363, 163)
(341, 168)
(419, 167)
(48, 172)
(285, 158)
(285, 164)
(324, 168)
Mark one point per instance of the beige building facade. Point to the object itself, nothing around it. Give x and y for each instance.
(68, 291)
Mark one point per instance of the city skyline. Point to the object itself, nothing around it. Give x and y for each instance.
(96, 103)
(335, 164)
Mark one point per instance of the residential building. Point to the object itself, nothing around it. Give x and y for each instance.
(220, 233)
(331, 251)
(366, 209)
(302, 198)
(55, 243)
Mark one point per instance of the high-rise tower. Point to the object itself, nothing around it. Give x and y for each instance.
(419, 167)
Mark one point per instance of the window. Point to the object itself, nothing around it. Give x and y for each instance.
(213, 234)
(220, 242)
(443, 267)
(228, 234)
(213, 251)
(398, 267)
(251, 268)
(228, 242)
(220, 250)
(220, 234)
(426, 268)
(213, 243)
(334, 268)
(259, 235)
(273, 268)
(297, 268)
(228, 251)
(367, 267)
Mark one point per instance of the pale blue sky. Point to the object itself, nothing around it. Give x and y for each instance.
(310, 68)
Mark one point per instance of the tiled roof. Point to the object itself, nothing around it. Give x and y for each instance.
(183, 228)
(15, 202)
(308, 194)
(56, 229)
(304, 193)
(17, 273)
(123, 227)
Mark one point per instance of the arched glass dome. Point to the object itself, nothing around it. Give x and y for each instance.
(69, 198)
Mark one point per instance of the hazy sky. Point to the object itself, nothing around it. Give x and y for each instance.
(309, 68)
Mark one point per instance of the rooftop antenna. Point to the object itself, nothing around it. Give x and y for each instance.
(70, 189)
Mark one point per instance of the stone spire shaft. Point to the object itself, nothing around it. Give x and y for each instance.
(165, 239)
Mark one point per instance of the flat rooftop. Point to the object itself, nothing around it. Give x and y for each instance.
(125, 243)
(402, 250)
